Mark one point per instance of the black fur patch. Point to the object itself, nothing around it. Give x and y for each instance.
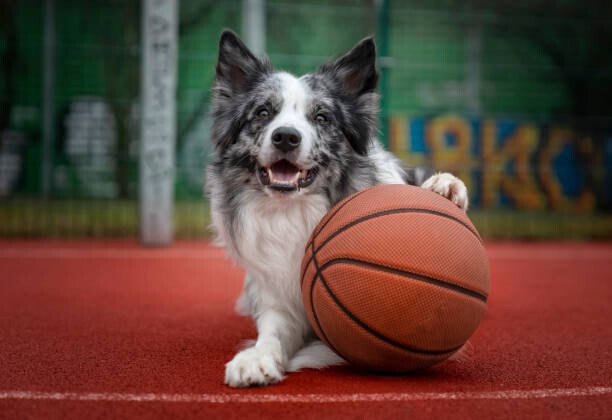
(238, 72)
(351, 80)
(343, 90)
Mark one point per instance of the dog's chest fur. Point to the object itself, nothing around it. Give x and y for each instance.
(269, 242)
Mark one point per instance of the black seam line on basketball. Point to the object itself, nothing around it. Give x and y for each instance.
(351, 198)
(312, 310)
(385, 213)
(371, 330)
(348, 200)
(319, 275)
(396, 211)
(409, 274)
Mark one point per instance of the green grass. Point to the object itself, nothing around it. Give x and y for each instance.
(541, 226)
(95, 218)
(103, 218)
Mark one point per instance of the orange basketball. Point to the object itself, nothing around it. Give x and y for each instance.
(395, 278)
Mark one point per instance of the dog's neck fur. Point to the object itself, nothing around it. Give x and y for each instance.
(268, 242)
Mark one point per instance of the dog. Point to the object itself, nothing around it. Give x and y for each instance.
(286, 150)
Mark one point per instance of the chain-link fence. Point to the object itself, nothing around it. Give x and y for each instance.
(514, 97)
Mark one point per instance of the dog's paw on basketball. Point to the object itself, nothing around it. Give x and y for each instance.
(254, 366)
(449, 186)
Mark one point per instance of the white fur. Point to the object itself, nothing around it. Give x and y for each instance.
(274, 231)
(387, 166)
(293, 114)
(271, 246)
(268, 241)
(315, 355)
(448, 186)
(265, 230)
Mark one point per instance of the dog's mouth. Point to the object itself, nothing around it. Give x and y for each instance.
(284, 176)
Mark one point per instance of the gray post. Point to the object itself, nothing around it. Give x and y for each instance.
(48, 105)
(254, 25)
(158, 120)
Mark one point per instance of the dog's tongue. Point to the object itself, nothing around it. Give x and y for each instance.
(284, 172)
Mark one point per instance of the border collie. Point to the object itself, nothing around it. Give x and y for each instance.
(287, 149)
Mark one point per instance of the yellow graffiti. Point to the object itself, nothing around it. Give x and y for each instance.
(398, 136)
(400, 142)
(528, 187)
(518, 147)
(557, 139)
(455, 157)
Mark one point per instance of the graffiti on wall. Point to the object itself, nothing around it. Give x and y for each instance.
(505, 163)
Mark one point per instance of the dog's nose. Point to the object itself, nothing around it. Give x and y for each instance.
(286, 139)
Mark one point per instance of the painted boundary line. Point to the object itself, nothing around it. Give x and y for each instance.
(307, 398)
(214, 253)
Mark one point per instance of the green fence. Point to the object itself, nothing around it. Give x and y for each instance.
(515, 97)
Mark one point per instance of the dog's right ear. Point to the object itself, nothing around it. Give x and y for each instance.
(237, 65)
(237, 70)
(356, 70)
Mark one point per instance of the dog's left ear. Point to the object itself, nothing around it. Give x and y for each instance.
(357, 68)
(356, 75)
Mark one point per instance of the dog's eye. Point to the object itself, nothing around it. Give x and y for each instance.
(263, 114)
(321, 119)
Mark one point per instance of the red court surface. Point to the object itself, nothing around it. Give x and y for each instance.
(98, 330)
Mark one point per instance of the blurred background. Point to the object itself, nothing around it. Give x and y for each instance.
(514, 97)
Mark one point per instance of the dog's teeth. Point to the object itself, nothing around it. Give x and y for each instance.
(283, 179)
(285, 176)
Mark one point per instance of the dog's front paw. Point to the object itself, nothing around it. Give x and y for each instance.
(448, 186)
(253, 366)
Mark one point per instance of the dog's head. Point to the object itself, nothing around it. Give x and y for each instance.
(292, 135)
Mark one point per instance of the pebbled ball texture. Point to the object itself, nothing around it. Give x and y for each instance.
(395, 278)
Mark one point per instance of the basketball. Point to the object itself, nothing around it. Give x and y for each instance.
(395, 278)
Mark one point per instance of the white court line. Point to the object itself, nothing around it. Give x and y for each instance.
(308, 398)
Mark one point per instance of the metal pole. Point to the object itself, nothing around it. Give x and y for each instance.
(158, 120)
(384, 62)
(48, 105)
(254, 25)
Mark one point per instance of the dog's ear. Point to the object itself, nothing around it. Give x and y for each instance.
(356, 79)
(356, 70)
(237, 70)
(237, 65)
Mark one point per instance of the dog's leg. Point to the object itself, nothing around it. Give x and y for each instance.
(315, 355)
(265, 362)
(449, 186)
